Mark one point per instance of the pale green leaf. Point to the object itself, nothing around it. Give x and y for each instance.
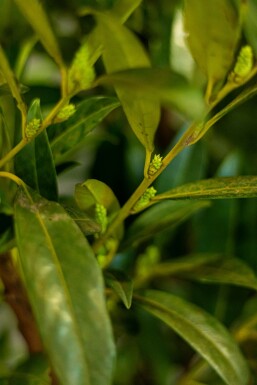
(160, 217)
(213, 31)
(122, 9)
(121, 284)
(33, 11)
(93, 192)
(166, 86)
(72, 133)
(65, 288)
(122, 50)
(216, 188)
(202, 331)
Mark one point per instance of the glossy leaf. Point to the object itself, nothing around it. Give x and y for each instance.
(165, 85)
(160, 217)
(121, 284)
(33, 11)
(213, 32)
(71, 134)
(122, 50)
(93, 191)
(34, 163)
(202, 331)
(208, 268)
(216, 188)
(87, 225)
(65, 288)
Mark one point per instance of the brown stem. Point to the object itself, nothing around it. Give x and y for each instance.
(17, 299)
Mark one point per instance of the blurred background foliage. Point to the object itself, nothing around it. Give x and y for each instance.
(148, 352)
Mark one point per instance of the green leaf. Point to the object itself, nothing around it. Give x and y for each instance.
(33, 11)
(34, 163)
(7, 73)
(168, 87)
(93, 191)
(250, 23)
(213, 32)
(202, 331)
(216, 188)
(87, 225)
(208, 268)
(122, 50)
(81, 71)
(65, 288)
(160, 217)
(122, 9)
(121, 284)
(71, 134)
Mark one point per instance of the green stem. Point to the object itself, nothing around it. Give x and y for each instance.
(13, 152)
(14, 178)
(47, 122)
(126, 209)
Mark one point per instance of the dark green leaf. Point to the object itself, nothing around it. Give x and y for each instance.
(202, 331)
(121, 284)
(34, 163)
(165, 85)
(86, 224)
(122, 50)
(160, 217)
(71, 134)
(65, 288)
(216, 188)
(36, 16)
(208, 268)
(213, 32)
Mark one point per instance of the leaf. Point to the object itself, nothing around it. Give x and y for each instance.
(216, 188)
(87, 225)
(65, 288)
(166, 86)
(93, 191)
(160, 217)
(229, 271)
(7, 73)
(34, 163)
(122, 50)
(208, 268)
(124, 8)
(72, 133)
(213, 32)
(121, 284)
(202, 331)
(33, 11)
(250, 23)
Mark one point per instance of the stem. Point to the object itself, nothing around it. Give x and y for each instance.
(48, 120)
(126, 209)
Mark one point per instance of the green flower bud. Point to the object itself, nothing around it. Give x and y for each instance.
(155, 165)
(81, 73)
(243, 66)
(32, 128)
(145, 199)
(101, 216)
(65, 113)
